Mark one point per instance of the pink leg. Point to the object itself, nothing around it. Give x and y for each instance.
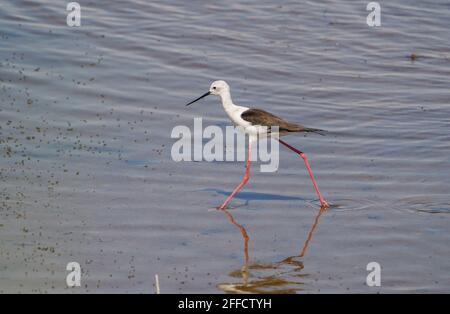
(244, 180)
(323, 202)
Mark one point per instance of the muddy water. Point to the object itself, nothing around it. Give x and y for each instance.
(86, 173)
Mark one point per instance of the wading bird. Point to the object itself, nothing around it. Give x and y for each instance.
(257, 122)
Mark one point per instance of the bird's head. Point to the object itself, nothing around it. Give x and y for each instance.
(217, 88)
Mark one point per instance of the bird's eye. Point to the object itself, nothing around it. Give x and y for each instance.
(214, 87)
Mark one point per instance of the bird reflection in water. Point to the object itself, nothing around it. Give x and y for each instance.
(269, 277)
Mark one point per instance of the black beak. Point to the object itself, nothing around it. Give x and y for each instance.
(202, 96)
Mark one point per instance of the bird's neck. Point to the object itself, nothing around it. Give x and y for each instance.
(227, 102)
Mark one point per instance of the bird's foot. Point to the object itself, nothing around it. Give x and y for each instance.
(324, 204)
(222, 207)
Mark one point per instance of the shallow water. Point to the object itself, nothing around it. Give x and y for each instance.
(86, 171)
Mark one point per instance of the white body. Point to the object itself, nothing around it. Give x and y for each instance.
(221, 89)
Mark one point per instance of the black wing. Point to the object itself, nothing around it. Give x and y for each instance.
(264, 118)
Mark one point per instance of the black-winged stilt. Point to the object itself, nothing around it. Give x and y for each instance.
(257, 122)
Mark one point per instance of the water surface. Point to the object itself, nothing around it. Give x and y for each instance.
(86, 173)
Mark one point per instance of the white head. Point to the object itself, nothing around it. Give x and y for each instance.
(218, 88)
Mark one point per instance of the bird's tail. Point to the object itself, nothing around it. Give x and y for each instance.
(293, 127)
(312, 130)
